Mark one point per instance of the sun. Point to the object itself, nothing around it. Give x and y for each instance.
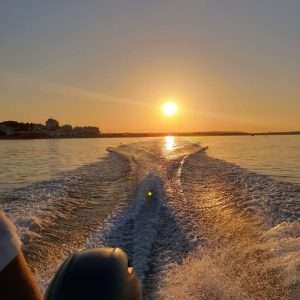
(170, 108)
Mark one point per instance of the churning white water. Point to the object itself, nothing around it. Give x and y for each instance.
(210, 230)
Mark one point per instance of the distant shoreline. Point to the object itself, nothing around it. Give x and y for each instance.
(14, 130)
(137, 135)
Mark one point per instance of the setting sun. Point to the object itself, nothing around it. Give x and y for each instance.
(169, 109)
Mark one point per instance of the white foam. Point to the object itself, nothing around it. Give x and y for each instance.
(213, 231)
(246, 253)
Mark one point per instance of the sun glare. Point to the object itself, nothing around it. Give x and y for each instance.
(169, 109)
(169, 143)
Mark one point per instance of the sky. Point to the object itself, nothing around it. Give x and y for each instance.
(228, 64)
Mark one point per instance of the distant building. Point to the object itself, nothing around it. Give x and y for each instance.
(50, 130)
(88, 131)
(6, 130)
(67, 128)
(38, 128)
(52, 124)
(64, 131)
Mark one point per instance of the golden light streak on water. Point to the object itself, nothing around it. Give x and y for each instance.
(170, 143)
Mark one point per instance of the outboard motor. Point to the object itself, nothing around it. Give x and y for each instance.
(101, 273)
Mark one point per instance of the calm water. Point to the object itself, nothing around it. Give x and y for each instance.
(278, 156)
(24, 162)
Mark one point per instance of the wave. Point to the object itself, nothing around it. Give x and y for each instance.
(54, 218)
(210, 230)
(247, 226)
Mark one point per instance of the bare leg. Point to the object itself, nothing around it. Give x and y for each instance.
(16, 279)
(17, 282)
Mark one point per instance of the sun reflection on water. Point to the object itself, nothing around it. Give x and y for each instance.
(169, 143)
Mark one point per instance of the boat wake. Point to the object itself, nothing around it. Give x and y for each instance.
(194, 227)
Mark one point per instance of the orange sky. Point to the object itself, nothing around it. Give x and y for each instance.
(112, 65)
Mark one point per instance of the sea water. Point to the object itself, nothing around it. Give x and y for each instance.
(224, 223)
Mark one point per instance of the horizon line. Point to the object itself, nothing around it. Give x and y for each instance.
(209, 132)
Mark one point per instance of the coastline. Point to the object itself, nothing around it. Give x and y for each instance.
(142, 134)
